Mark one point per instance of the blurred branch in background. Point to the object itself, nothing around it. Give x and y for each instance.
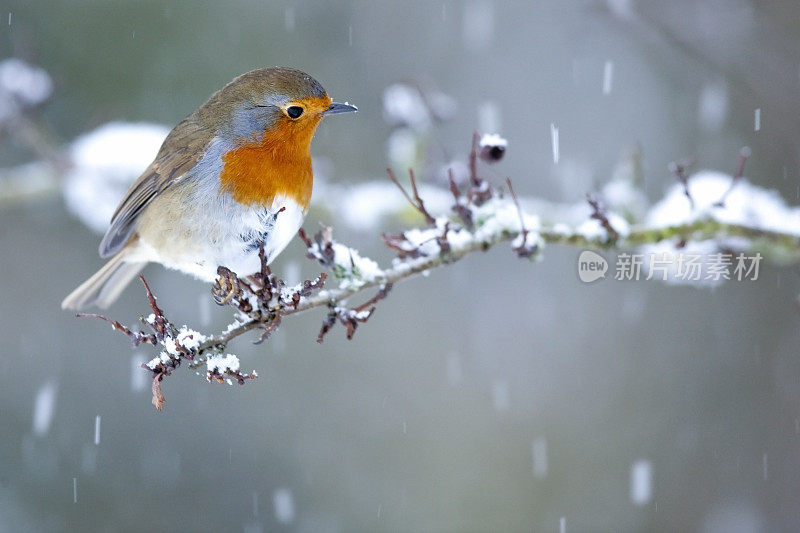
(23, 88)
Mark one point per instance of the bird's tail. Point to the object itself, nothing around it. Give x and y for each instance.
(105, 286)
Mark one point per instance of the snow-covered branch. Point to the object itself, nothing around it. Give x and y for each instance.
(709, 211)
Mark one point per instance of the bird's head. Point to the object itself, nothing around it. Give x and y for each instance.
(275, 105)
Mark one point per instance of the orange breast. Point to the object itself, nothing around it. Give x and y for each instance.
(258, 172)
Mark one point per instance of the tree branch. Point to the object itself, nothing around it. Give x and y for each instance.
(480, 219)
(699, 230)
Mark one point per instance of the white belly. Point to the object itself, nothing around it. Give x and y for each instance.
(217, 232)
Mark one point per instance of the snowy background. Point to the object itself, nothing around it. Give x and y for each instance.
(494, 394)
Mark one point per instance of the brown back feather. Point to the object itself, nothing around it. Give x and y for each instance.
(181, 150)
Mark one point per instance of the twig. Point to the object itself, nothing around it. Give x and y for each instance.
(380, 295)
(160, 323)
(351, 318)
(738, 172)
(137, 337)
(599, 214)
(323, 251)
(522, 249)
(400, 244)
(416, 201)
(158, 398)
(475, 181)
(479, 191)
(463, 212)
(679, 168)
(420, 204)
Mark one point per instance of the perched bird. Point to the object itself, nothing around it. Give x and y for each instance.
(233, 174)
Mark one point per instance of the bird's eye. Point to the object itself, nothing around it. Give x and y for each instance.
(294, 111)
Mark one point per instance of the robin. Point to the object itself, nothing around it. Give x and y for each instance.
(234, 174)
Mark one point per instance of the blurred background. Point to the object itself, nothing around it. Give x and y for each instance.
(492, 395)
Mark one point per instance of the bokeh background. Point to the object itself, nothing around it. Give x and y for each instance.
(492, 395)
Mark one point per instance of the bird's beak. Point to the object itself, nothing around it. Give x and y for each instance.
(336, 108)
